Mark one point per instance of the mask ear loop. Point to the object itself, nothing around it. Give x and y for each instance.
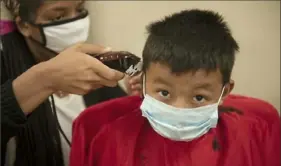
(42, 34)
(143, 85)
(215, 143)
(221, 95)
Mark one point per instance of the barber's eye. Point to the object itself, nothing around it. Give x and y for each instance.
(164, 93)
(199, 98)
(58, 18)
(82, 10)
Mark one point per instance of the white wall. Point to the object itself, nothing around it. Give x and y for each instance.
(255, 25)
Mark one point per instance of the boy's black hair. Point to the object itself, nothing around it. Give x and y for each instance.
(191, 40)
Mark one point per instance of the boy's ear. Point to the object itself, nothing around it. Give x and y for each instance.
(23, 27)
(227, 89)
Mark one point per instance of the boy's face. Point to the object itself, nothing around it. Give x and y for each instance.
(186, 90)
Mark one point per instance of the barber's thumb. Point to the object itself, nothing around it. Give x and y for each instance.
(107, 49)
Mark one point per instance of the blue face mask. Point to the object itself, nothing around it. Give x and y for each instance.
(179, 124)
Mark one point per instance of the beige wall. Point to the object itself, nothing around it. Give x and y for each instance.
(255, 25)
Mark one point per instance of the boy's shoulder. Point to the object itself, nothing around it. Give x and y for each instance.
(94, 119)
(250, 113)
(252, 107)
(107, 111)
(255, 127)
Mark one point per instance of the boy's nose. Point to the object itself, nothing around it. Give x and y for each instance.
(181, 103)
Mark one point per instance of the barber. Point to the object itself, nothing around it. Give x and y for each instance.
(43, 52)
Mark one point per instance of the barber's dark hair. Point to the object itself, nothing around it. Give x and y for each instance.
(191, 40)
(38, 141)
(26, 9)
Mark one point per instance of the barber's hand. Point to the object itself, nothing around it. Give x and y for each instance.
(74, 71)
(134, 85)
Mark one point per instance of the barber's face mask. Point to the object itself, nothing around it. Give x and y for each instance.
(179, 124)
(60, 35)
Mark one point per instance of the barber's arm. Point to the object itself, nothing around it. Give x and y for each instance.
(23, 94)
(71, 71)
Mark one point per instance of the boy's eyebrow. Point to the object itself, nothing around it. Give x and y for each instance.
(162, 81)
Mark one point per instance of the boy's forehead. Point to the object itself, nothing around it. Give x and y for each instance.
(158, 71)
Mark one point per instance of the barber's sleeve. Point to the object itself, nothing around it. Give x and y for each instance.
(12, 117)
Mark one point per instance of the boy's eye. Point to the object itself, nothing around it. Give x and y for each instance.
(164, 93)
(199, 98)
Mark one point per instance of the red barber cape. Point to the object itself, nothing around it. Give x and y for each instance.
(114, 133)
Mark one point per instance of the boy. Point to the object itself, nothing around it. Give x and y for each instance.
(187, 62)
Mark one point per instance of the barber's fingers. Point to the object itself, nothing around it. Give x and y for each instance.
(94, 87)
(104, 71)
(83, 87)
(136, 87)
(97, 66)
(136, 93)
(108, 83)
(94, 79)
(135, 79)
(91, 48)
(96, 82)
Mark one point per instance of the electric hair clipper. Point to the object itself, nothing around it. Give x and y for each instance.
(122, 61)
